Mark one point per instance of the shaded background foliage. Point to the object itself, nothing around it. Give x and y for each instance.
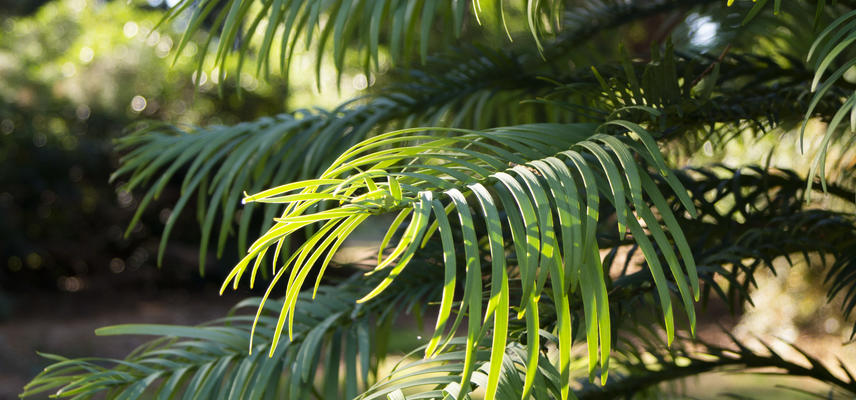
(67, 92)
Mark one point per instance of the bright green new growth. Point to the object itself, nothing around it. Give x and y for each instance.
(413, 173)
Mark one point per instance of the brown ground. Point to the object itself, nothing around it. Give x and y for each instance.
(64, 323)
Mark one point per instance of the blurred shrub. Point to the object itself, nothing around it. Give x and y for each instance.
(76, 73)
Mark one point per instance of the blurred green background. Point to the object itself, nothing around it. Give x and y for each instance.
(74, 75)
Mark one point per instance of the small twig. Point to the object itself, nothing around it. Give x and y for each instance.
(710, 67)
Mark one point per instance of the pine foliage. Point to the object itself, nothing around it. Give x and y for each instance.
(538, 199)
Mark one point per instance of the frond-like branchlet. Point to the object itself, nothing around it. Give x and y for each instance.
(211, 360)
(834, 42)
(777, 7)
(649, 365)
(476, 89)
(695, 98)
(639, 369)
(276, 28)
(338, 27)
(220, 162)
(440, 377)
(750, 217)
(524, 172)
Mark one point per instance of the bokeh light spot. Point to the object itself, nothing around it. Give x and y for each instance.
(70, 283)
(34, 260)
(138, 103)
(117, 265)
(86, 54)
(130, 29)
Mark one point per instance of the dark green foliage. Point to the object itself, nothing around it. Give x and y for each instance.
(212, 361)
